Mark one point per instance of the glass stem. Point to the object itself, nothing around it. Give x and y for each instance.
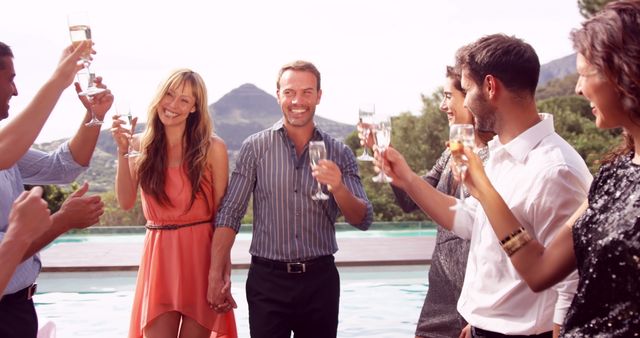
(462, 171)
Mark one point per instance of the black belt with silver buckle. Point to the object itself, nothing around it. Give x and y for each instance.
(292, 267)
(478, 332)
(24, 294)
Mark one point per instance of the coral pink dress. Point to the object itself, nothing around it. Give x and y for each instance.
(173, 273)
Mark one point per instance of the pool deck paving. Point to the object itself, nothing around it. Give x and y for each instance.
(376, 251)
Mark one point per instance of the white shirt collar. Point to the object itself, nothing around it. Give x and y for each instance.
(520, 146)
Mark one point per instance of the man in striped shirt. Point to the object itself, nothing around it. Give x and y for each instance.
(293, 283)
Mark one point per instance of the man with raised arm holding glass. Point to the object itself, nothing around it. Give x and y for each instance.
(293, 283)
(542, 178)
(17, 312)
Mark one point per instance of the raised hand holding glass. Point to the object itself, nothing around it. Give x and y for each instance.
(365, 125)
(382, 136)
(79, 30)
(124, 113)
(87, 78)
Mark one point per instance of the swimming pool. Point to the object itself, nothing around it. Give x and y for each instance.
(135, 234)
(375, 302)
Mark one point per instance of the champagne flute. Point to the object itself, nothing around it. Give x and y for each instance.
(85, 77)
(365, 123)
(382, 136)
(79, 30)
(317, 152)
(124, 112)
(460, 136)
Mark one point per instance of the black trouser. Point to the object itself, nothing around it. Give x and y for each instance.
(18, 317)
(285, 298)
(480, 333)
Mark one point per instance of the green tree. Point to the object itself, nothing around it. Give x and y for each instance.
(575, 123)
(114, 215)
(54, 194)
(421, 139)
(591, 7)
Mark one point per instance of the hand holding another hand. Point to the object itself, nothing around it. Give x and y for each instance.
(219, 290)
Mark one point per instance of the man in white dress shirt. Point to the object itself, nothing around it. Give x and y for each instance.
(540, 176)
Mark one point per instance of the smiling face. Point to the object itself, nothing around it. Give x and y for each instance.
(7, 86)
(176, 105)
(601, 94)
(453, 104)
(298, 97)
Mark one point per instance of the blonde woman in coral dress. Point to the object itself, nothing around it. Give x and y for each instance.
(182, 174)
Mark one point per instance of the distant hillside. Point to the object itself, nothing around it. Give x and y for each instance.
(558, 68)
(564, 86)
(238, 114)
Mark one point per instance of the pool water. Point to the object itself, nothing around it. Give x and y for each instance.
(375, 302)
(139, 237)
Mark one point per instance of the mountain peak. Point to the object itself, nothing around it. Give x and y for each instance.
(247, 103)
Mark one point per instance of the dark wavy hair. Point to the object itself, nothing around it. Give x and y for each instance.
(511, 60)
(152, 164)
(610, 41)
(455, 75)
(5, 50)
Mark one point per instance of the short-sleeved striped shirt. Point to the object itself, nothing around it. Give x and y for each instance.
(287, 224)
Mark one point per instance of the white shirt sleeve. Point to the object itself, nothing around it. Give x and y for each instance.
(464, 218)
(559, 192)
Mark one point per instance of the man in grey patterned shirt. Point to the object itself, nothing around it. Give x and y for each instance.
(293, 283)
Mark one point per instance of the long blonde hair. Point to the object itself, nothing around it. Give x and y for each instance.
(153, 163)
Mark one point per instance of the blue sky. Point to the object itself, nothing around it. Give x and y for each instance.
(387, 52)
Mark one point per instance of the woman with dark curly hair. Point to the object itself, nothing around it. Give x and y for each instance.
(602, 239)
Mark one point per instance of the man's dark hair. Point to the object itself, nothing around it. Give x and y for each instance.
(511, 60)
(5, 50)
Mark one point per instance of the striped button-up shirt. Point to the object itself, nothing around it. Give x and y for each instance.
(35, 167)
(287, 224)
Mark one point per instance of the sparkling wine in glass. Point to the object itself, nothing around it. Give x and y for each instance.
(461, 136)
(365, 124)
(317, 152)
(382, 136)
(124, 113)
(79, 30)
